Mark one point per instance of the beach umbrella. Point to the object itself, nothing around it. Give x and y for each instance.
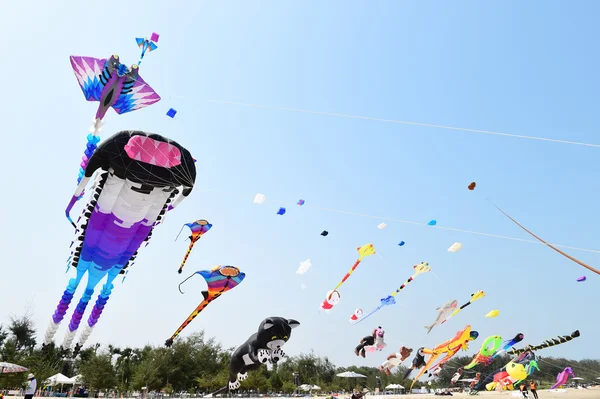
(11, 368)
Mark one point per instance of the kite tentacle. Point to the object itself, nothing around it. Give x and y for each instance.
(179, 286)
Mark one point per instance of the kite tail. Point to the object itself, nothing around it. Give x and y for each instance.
(370, 313)
(61, 310)
(187, 253)
(456, 312)
(354, 266)
(96, 313)
(77, 316)
(548, 343)
(192, 316)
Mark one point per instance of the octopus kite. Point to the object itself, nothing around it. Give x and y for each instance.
(332, 297)
(198, 228)
(219, 280)
(450, 348)
(141, 176)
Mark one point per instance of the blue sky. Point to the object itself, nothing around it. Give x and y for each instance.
(524, 68)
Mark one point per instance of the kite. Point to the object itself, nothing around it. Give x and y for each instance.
(472, 186)
(490, 346)
(198, 228)
(401, 243)
(455, 247)
(333, 297)
(264, 346)
(141, 177)
(443, 311)
(417, 362)
(281, 211)
(395, 359)
(114, 85)
(581, 279)
(356, 315)
(563, 377)
(450, 348)
(301, 202)
(509, 344)
(456, 376)
(219, 280)
(304, 266)
(422, 267)
(548, 343)
(492, 313)
(478, 295)
(371, 343)
(259, 199)
(550, 245)
(325, 233)
(147, 45)
(512, 373)
(432, 223)
(171, 112)
(381, 226)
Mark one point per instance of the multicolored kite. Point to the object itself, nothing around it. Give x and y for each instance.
(219, 280)
(147, 45)
(141, 176)
(333, 297)
(422, 267)
(198, 228)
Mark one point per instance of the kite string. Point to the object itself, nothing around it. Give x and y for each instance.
(332, 210)
(396, 121)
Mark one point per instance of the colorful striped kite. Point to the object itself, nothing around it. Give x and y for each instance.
(219, 280)
(199, 227)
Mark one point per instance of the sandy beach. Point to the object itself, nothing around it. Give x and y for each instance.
(542, 394)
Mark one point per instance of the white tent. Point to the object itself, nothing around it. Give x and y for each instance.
(59, 379)
(76, 380)
(394, 386)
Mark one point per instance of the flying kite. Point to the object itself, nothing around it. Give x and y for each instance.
(581, 279)
(550, 245)
(147, 45)
(509, 344)
(490, 346)
(304, 266)
(333, 297)
(171, 113)
(563, 377)
(325, 233)
(395, 359)
(219, 280)
(281, 211)
(512, 373)
(259, 199)
(198, 228)
(432, 223)
(443, 312)
(455, 247)
(548, 343)
(381, 226)
(114, 85)
(371, 343)
(300, 202)
(492, 313)
(477, 295)
(422, 267)
(356, 315)
(141, 177)
(450, 348)
(401, 243)
(472, 186)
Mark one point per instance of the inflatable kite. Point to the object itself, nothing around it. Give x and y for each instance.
(417, 362)
(198, 228)
(113, 85)
(371, 343)
(581, 279)
(333, 297)
(456, 376)
(550, 245)
(141, 176)
(472, 186)
(356, 315)
(509, 344)
(395, 359)
(511, 374)
(443, 312)
(548, 343)
(490, 346)
(492, 313)
(478, 295)
(263, 346)
(563, 377)
(423, 267)
(219, 280)
(146, 45)
(449, 348)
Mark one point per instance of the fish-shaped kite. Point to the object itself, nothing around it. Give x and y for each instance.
(333, 297)
(219, 280)
(443, 312)
(590, 268)
(478, 295)
(422, 267)
(198, 228)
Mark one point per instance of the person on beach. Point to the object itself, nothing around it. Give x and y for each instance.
(30, 386)
(523, 389)
(533, 387)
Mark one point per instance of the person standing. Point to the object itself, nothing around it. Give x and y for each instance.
(31, 386)
(523, 389)
(533, 387)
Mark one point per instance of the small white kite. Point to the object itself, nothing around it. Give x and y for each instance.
(455, 247)
(304, 266)
(381, 226)
(260, 199)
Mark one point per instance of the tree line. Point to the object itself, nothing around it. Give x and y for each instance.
(197, 364)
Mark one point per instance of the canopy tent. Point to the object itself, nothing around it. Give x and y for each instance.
(308, 387)
(351, 374)
(394, 386)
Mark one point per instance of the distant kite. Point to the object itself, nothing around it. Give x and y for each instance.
(472, 186)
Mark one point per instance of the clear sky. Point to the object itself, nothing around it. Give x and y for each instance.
(521, 67)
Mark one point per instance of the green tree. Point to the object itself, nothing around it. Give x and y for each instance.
(22, 330)
(98, 372)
